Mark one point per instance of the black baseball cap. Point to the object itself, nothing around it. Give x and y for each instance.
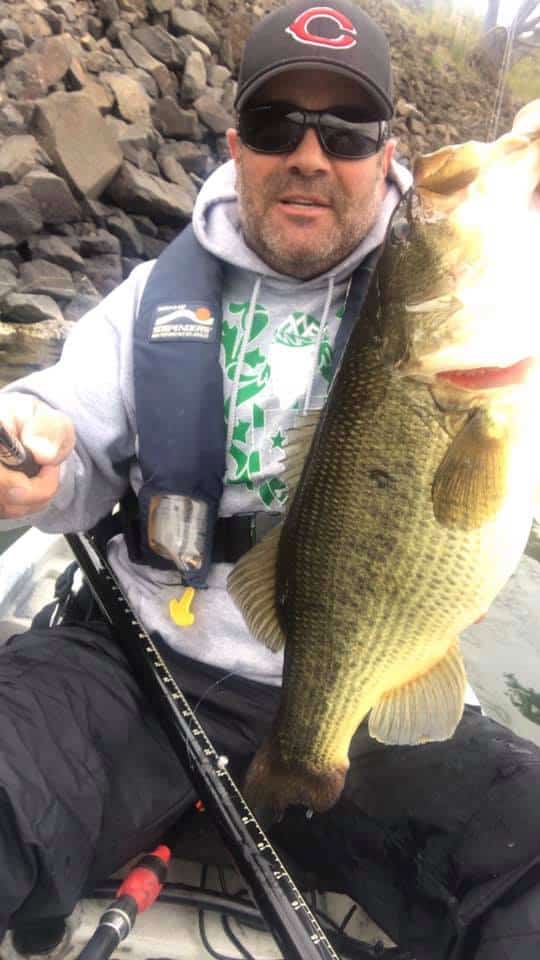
(339, 38)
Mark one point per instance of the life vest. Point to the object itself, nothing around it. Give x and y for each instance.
(179, 399)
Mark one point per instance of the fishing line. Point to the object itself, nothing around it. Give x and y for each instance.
(494, 121)
(194, 709)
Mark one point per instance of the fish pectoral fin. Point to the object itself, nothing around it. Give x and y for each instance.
(428, 708)
(297, 446)
(252, 586)
(472, 481)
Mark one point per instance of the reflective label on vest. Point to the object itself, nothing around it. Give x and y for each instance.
(183, 321)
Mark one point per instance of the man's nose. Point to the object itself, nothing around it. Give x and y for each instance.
(309, 157)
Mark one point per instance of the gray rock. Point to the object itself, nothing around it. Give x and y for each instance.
(34, 26)
(153, 247)
(194, 78)
(173, 121)
(146, 226)
(28, 308)
(123, 227)
(19, 155)
(138, 192)
(172, 169)
(55, 54)
(146, 81)
(10, 30)
(166, 80)
(161, 6)
(8, 278)
(41, 276)
(19, 212)
(79, 141)
(24, 78)
(218, 75)
(6, 240)
(99, 242)
(212, 114)
(229, 96)
(158, 42)
(129, 264)
(136, 135)
(55, 200)
(82, 303)
(98, 60)
(137, 53)
(105, 272)
(194, 157)
(55, 250)
(189, 21)
(11, 121)
(416, 126)
(132, 101)
(140, 158)
(100, 95)
(189, 44)
(108, 10)
(12, 49)
(122, 59)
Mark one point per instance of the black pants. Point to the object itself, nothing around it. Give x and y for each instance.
(440, 843)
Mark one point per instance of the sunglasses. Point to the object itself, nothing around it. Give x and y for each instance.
(279, 128)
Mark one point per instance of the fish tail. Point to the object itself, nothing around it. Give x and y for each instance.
(272, 784)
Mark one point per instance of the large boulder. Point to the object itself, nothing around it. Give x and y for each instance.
(19, 212)
(54, 198)
(138, 192)
(78, 140)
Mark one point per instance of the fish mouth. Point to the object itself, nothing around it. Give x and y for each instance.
(489, 378)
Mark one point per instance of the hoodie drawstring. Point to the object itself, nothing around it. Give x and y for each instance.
(323, 326)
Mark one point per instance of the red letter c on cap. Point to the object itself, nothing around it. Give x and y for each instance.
(299, 29)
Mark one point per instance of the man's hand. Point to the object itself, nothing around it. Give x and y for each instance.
(50, 436)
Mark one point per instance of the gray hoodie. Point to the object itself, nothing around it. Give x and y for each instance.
(277, 341)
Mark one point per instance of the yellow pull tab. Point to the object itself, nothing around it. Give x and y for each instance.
(180, 611)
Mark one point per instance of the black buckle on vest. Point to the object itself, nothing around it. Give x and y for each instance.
(234, 536)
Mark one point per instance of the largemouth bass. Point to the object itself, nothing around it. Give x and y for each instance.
(413, 503)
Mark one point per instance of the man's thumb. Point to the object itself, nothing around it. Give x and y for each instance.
(44, 450)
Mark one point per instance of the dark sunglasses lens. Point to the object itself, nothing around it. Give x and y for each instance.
(270, 129)
(349, 139)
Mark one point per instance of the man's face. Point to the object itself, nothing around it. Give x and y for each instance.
(345, 195)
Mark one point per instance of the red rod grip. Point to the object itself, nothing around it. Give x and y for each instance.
(145, 881)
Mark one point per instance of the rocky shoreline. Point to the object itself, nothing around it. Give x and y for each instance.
(112, 114)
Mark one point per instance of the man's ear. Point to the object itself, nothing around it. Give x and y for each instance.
(389, 150)
(233, 143)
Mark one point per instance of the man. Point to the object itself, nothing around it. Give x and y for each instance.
(283, 244)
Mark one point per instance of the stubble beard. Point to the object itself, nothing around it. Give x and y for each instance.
(352, 222)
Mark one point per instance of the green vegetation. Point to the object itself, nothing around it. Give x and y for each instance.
(454, 33)
(525, 699)
(524, 78)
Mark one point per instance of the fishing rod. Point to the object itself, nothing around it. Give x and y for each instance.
(289, 918)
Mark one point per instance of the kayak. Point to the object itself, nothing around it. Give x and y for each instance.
(204, 909)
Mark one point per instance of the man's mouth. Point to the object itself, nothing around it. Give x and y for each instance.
(298, 200)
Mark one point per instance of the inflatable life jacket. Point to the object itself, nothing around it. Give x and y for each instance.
(179, 403)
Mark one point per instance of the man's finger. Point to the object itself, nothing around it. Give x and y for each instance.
(22, 495)
(49, 435)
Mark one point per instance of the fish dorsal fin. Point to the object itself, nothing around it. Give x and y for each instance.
(297, 446)
(252, 586)
(252, 583)
(471, 483)
(428, 708)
